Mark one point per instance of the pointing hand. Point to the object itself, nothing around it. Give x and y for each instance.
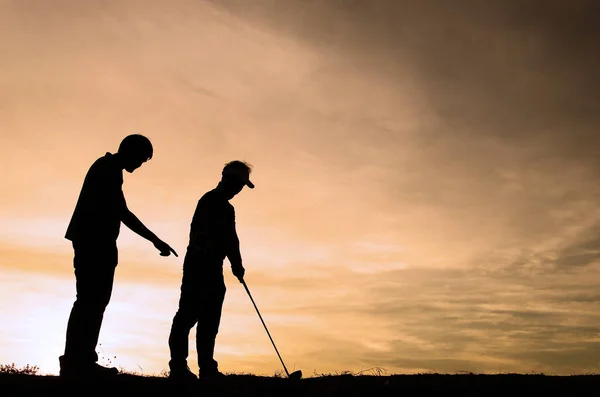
(164, 248)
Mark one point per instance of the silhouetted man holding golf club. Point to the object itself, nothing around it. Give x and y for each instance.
(93, 230)
(213, 238)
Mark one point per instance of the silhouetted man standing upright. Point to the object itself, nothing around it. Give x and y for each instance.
(93, 230)
(212, 238)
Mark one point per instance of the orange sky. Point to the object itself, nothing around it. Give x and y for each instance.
(426, 178)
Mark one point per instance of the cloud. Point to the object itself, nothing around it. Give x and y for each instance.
(426, 173)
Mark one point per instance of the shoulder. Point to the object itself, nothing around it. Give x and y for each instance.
(206, 201)
(208, 197)
(106, 166)
(105, 162)
(215, 201)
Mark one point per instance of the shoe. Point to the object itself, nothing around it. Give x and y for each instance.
(93, 371)
(99, 371)
(87, 371)
(214, 374)
(182, 374)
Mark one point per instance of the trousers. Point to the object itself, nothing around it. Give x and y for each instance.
(200, 303)
(94, 268)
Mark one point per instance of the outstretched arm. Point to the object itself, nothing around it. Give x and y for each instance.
(133, 223)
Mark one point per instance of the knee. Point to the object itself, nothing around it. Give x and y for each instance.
(209, 324)
(92, 305)
(184, 319)
(207, 331)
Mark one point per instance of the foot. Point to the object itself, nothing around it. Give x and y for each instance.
(100, 371)
(214, 374)
(88, 371)
(182, 374)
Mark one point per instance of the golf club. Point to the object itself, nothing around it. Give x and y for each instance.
(293, 375)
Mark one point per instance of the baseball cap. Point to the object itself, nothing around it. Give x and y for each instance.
(241, 173)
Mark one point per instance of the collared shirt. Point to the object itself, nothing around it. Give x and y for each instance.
(97, 215)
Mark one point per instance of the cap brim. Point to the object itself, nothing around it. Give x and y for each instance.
(250, 184)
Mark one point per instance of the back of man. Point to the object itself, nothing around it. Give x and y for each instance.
(212, 224)
(96, 220)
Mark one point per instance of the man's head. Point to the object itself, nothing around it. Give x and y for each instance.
(236, 175)
(135, 150)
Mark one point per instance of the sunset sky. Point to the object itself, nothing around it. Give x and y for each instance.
(427, 177)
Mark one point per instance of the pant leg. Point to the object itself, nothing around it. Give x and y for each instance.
(183, 321)
(94, 274)
(211, 297)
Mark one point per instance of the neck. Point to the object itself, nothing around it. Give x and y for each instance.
(119, 159)
(224, 190)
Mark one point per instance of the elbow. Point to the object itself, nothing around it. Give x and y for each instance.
(233, 246)
(233, 249)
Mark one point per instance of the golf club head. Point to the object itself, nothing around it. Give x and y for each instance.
(296, 375)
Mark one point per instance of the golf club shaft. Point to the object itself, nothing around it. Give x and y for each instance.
(264, 325)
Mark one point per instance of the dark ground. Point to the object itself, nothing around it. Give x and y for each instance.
(246, 385)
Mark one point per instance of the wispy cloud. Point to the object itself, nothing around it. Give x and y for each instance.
(426, 174)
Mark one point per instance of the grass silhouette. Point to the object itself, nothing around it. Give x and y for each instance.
(25, 381)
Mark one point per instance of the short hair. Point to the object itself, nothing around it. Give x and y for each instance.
(137, 145)
(237, 164)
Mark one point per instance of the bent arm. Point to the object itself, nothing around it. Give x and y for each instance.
(232, 247)
(232, 242)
